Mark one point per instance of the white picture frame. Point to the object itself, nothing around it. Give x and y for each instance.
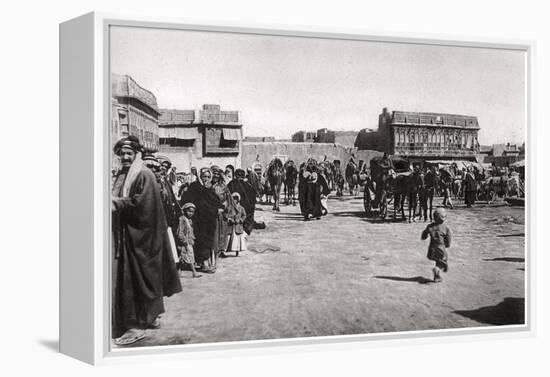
(84, 231)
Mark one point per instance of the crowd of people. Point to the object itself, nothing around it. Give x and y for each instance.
(167, 224)
(164, 226)
(313, 190)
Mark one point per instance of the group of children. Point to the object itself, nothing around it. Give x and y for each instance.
(185, 238)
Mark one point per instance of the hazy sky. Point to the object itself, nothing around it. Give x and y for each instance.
(284, 84)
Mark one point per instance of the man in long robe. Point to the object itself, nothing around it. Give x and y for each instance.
(248, 198)
(220, 188)
(143, 267)
(470, 187)
(172, 210)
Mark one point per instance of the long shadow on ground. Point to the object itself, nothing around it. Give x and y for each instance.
(378, 220)
(511, 235)
(349, 214)
(506, 259)
(289, 217)
(344, 198)
(416, 279)
(511, 311)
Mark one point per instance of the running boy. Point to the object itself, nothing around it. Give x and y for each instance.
(440, 240)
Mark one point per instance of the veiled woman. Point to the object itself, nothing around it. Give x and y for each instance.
(248, 197)
(208, 206)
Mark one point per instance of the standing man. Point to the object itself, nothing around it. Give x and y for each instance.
(431, 179)
(143, 267)
(446, 187)
(172, 210)
(471, 187)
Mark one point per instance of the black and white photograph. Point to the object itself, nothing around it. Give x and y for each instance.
(278, 187)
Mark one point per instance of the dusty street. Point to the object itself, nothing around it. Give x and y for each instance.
(348, 274)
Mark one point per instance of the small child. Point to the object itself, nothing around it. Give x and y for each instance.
(236, 240)
(186, 238)
(440, 239)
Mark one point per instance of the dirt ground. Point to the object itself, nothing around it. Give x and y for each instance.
(349, 274)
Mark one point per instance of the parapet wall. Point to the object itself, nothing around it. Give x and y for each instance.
(298, 152)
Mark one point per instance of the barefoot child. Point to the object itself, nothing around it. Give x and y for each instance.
(186, 238)
(236, 240)
(440, 239)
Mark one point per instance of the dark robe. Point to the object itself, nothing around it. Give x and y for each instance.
(205, 220)
(143, 267)
(470, 189)
(302, 183)
(248, 201)
(312, 196)
(255, 182)
(170, 204)
(224, 229)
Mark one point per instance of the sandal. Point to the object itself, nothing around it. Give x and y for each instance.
(130, 337)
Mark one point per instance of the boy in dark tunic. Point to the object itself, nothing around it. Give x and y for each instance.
(440, 240)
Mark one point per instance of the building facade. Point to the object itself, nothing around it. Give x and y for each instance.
(503, 155)
(200, 138)
(423, 136)
(324, 135)
(304, 137)
(134, 111)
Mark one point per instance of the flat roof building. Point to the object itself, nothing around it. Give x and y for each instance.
(134, 111)
(201, 137)
(422, 136)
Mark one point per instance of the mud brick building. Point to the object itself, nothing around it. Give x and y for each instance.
(201, 137)
(503, 155)
(134, 111)
(423, 136)
(304, 137)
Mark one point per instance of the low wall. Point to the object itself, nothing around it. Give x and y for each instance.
(186, 157)
(298, 152)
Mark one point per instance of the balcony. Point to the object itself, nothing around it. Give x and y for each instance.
(433, 151)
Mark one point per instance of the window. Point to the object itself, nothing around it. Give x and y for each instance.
(221, 140)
